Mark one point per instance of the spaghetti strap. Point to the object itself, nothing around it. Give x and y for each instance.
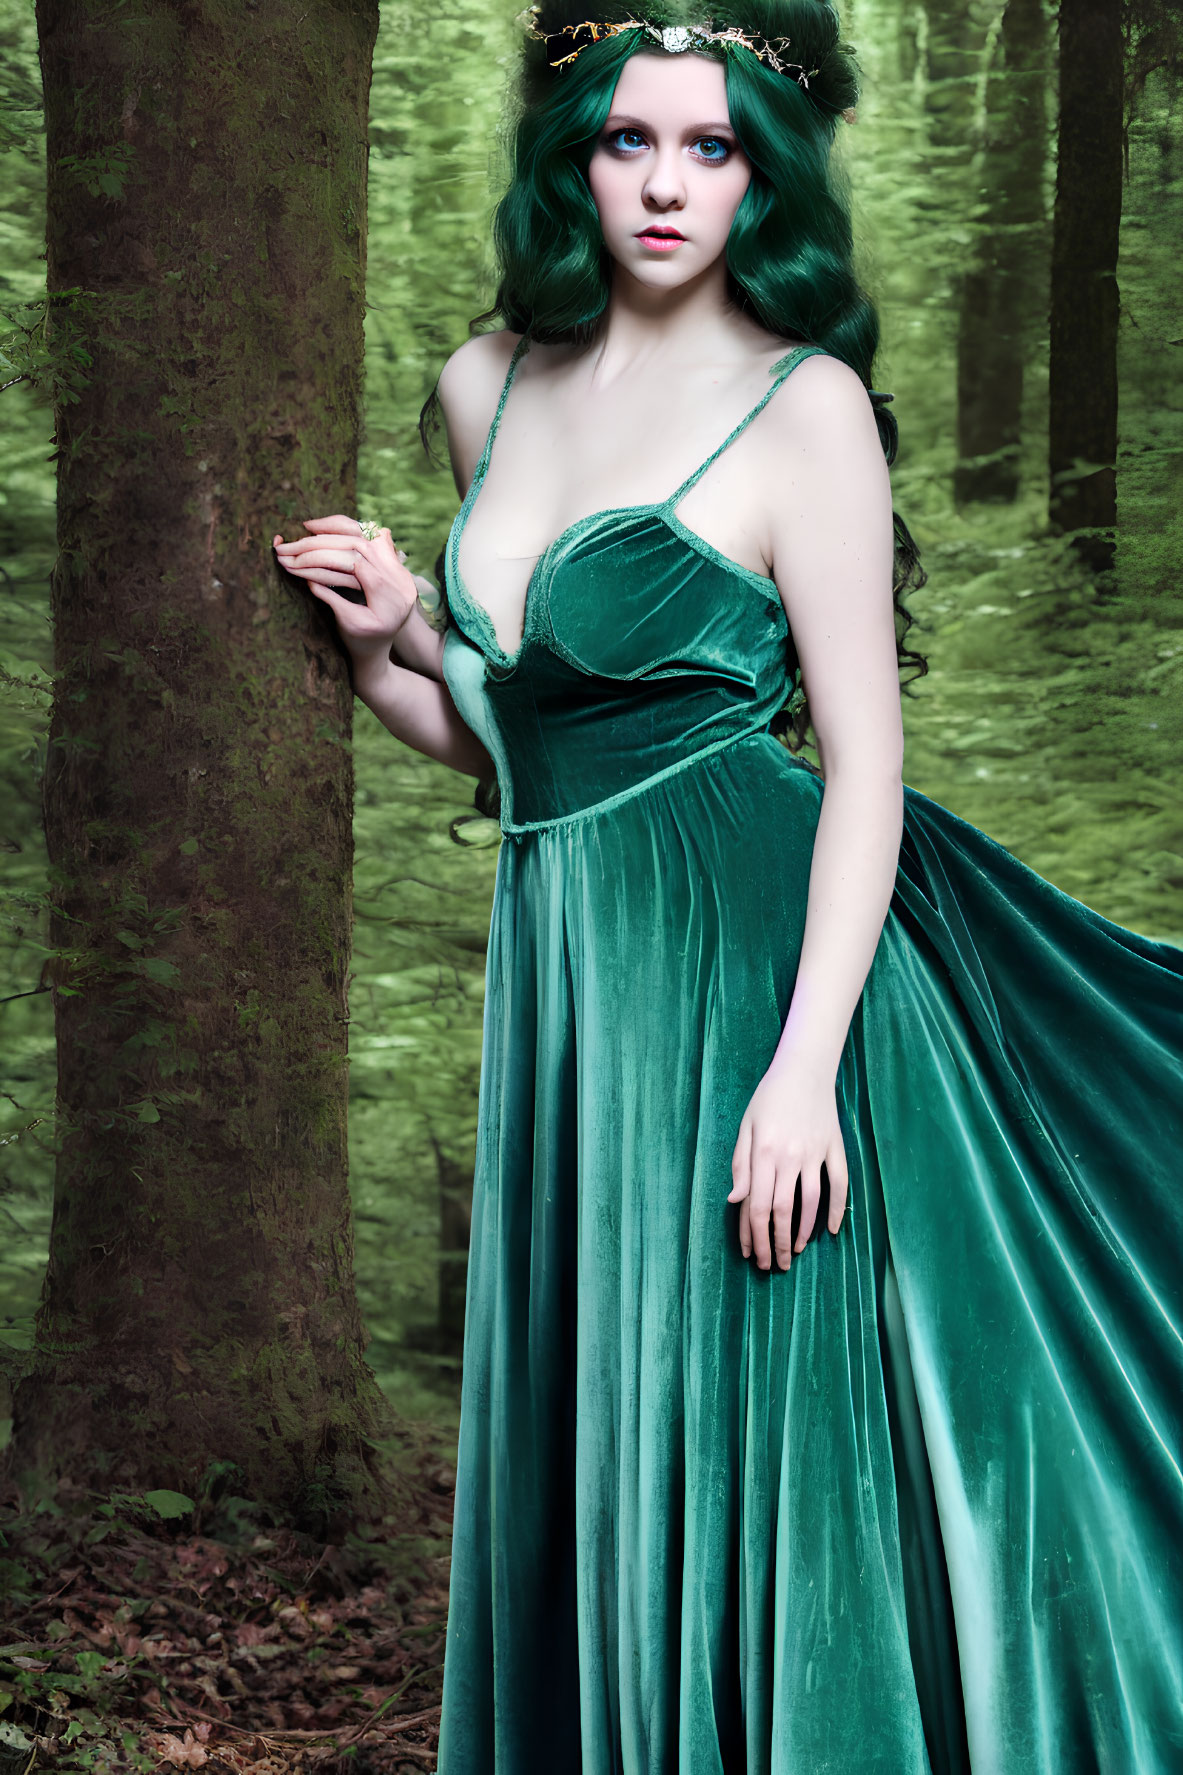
(780, 370)
(518, 352)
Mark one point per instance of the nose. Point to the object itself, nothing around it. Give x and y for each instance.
(665, 186)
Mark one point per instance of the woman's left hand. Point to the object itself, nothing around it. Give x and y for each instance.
(789, 1130)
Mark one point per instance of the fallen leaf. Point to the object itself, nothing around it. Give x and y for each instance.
(185, 1753)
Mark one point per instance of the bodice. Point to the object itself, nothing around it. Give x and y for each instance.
(643, 648)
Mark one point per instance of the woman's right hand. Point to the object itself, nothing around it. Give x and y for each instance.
(338, 553)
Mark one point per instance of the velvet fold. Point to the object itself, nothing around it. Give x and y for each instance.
(914, 1505)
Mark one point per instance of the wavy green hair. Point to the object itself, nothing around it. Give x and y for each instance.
(789, 253)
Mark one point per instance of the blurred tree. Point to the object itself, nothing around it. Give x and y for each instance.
(206, 207)
(1154, 45)
(1082, 388)
(956, 35)
(1004, 290)
(1108, 51)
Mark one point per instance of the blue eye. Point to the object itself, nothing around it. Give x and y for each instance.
(708, 150)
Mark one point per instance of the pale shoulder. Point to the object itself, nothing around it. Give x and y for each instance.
(471, 380)
(822, 402)
(469, 389)
(477, 366)
(827, 488)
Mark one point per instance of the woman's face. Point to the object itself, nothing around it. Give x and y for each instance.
(667, 174)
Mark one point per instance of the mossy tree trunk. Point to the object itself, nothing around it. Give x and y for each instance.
(1004, 291)
(956, 35)
(207, 186)
(1082, 394)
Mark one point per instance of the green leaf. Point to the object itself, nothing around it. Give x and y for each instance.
(190, 848)
(168, 1504)
(158, 968)
(146, 1111)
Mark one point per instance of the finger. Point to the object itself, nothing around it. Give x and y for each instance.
(839, 1178)
(760, 1205)
(348, 526)
(342, 559)
(745, 1228)
(331, 540)
(741, 1163)
(374, 559)
(784, 1195)
(336, 604)
(324, 577)
(811, 1189)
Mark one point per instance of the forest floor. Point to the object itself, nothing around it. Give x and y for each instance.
(136, 1640)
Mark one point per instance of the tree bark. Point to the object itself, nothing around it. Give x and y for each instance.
(1005, 288)
(207, 184)
(1082, 395)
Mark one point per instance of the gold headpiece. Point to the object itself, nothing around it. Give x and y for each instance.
(563, 46)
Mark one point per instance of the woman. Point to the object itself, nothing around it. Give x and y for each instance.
(907, 1498)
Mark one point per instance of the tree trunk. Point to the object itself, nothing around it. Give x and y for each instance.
(956, 33)
(207, 185)
(1082, 444)
(1005, 287)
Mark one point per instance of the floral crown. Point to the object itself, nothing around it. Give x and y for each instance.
(563, 46)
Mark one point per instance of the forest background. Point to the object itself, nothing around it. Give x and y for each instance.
(1053, 713)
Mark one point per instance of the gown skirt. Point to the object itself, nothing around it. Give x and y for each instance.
(914, 1505)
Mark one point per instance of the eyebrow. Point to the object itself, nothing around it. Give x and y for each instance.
(698, 129)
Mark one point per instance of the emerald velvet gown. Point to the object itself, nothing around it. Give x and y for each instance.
(913, 1505)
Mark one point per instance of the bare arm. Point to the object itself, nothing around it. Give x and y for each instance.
(410, 698)
(832, 556)
(417, 645)
(330, 545)
(417, 708)
(421, 712)
(832, 544)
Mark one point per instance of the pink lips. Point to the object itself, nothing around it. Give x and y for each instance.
(660, 240)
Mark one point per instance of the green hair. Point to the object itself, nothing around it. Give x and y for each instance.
(790, 254)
